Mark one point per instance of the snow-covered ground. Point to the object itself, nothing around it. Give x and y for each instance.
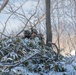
(40, 59)
(70, 66)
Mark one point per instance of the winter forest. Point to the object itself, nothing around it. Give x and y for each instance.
(37, 37)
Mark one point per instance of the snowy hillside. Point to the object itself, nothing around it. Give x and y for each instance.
(31, 57)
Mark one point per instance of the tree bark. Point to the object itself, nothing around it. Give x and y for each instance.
(48, 24)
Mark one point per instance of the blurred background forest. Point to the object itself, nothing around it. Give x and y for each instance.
(19, 15)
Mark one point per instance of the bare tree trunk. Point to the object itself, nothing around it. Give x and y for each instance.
(48, 24)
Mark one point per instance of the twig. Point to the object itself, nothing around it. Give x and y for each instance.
(3, 5)
(25, 25)
(4, 34)
(13, 13)
(29, 19)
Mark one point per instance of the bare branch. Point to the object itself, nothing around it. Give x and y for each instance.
(4, 34)
(58, 50)
(3, 5)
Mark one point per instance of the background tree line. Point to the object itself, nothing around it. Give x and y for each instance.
(59, 25)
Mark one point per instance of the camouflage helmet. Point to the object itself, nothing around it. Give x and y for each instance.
(27, 33)
(34, 31)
